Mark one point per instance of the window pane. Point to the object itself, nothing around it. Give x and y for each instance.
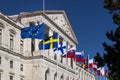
(11, 64)
(0, 36)
(11, 41)
(21, 46)
(11, 77)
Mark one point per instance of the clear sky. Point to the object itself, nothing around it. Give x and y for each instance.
(89, 20)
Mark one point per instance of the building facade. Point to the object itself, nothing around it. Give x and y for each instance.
(21, 59)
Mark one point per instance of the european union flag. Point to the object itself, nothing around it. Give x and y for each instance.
(49, 43)
(34, 32)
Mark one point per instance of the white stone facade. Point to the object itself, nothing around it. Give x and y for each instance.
(16, 60)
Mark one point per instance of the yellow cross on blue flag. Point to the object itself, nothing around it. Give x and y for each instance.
(34, 32)
(49, 43)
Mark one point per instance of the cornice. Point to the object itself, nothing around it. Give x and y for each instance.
(10, 21)
(35, 57)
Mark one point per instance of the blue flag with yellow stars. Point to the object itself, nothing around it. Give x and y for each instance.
(49, 43)
(34, 32)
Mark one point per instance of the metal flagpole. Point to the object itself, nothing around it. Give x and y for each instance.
(57, 58)
(66, 59)
(43, 5)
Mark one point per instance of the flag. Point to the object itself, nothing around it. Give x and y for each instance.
(70, 53)
(34, 32)
(84, 63)
(102, 71)
(61, 48)
(90, 63)
(79, 57)
(99, 71)
(94, 66)
(49, 43)
(106, 72)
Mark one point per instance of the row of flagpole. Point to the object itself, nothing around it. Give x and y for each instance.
(98, 78)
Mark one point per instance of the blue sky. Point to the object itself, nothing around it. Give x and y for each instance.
(89, 20)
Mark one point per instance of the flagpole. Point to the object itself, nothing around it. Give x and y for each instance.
(57, 57)
(43, 5)
(66, 59)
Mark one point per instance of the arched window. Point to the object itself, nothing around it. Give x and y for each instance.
(55, 76)
(47, 74)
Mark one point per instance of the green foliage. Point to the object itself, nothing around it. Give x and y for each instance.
(111, 56)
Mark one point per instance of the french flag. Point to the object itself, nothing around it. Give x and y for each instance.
(70, 53)
(79, 57)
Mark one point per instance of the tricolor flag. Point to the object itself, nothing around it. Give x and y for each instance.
(79, 57)
(70, 53)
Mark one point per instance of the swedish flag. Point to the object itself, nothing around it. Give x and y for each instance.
(34, 32)
(49, 43)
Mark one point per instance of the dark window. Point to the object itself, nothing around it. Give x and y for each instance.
(21, 67)
(11, 41)
(71, 63)
(61, 59)
(11, 64)
(21, 78)
(55, 56)
(0, 59)
(0, 76)
(11, 77)
(21, 46)
(0, 36)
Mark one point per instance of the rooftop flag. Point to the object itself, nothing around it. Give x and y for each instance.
(34, 32)
(49, 43)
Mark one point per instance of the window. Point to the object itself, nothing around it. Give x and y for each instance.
(62, 78)
(47, 75)
(0, 36)
(21, 67)
(11, 77)
(61, 59)
(0, 76)
(11, 41)
(0, 59)
(55, 76)
(55, 57)
(32, 45)
(21, 46)
(21, 78)
(11, 64)
(71, 63)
